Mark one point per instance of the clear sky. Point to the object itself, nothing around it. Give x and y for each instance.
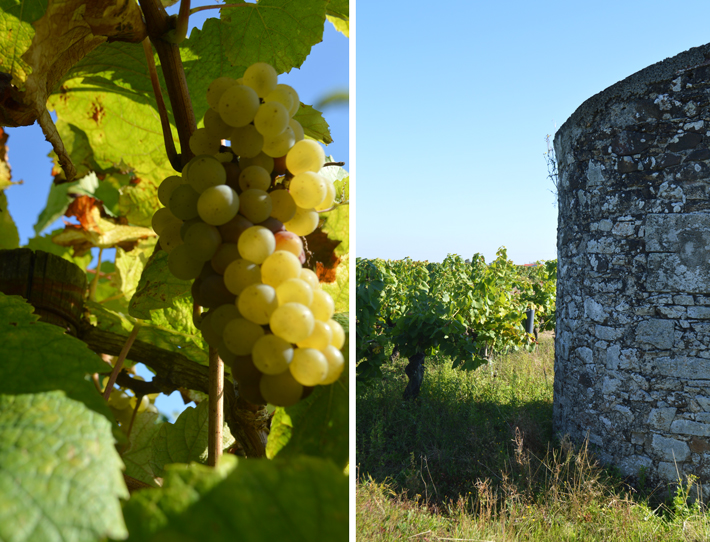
(454, 101)
(325, 71)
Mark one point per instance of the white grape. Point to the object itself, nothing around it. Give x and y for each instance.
(305, 155)
(218, 205)
(238, 105)
(262, 77)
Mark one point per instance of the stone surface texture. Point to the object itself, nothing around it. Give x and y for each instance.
(632, 351)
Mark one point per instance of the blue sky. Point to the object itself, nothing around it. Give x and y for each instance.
(326, 70)
(454, 101)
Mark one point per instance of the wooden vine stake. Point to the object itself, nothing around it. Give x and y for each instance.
(54, 286)
(216, 411)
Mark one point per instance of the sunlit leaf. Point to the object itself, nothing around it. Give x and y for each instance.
(9, 236)
(139, 451)
(39, 357)
(61, 475)
(185, 440)
(240, 500)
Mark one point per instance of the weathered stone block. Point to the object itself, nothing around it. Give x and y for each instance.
(670, 311)
(655, 333)
(595, 311)
(670, 449)
(704, 402)
(585, 354)
(661, 418)
(607, 333)
(683, 367)
(669, 233)
(699, 445)
(631, 466)
(701, 313)
(688, 427)
(618, 359)
(684, 142)
(629, 143)
(670, 472)
(683, 300)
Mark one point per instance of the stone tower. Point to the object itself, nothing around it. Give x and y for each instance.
(632, 352)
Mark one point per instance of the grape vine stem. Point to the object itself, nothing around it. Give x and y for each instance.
(347, 202)
(172, 153)
(219, 6)
(156, 20)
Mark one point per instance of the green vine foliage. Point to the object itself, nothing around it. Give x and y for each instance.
(457, 309)
(65, 455)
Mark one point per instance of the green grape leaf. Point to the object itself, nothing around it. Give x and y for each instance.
(61, 475)
(183, 337)
(112, 181)
(139, 201)
(166, 332)
(340, 178)
(107, 100)
(239, 500)
(78, 147)
(124, 133)
(44, 40)
(157, 288)
(117, 67)
(185, 440)
(39, 357)
(341, 25)
(338, 13)
(5, 173)
(130, 265)
(106, 285)
(279, 32)
(316, 426)
(340, 289)
(342, 188)
(337, 226)
(9, 236)
(45, 243)
(16, 20)
(113, 184)
(179, 318)
(139, 452)
(314, 125)
(183, 485)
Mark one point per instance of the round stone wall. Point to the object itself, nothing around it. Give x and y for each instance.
(632, 356)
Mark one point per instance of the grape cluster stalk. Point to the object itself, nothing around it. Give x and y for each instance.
(232, 222)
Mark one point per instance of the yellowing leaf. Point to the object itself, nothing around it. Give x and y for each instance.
(65, 34)
(95, 230)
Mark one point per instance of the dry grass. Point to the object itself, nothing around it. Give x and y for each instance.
(474, 459)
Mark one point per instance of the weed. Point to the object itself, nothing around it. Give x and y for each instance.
(474, 458)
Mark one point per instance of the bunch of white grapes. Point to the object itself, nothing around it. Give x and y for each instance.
(233, 222)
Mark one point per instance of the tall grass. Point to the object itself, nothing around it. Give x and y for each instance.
(474, 458)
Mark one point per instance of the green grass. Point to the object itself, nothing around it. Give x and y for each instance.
(473, 458)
